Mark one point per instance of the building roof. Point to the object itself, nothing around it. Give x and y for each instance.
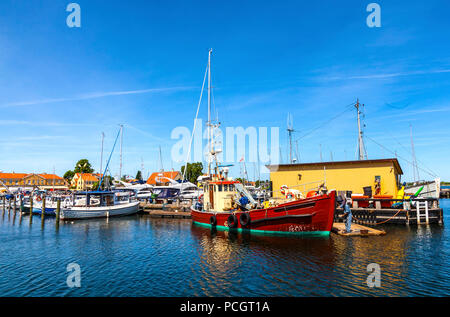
(274, 168)
(152, 180)
(51, 176)
(13, 175)
(24, 175)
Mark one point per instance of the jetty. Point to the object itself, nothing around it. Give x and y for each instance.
(380, 211)
(356, 230)
(174, 210)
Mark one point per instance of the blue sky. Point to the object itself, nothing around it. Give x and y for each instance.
(141, 63)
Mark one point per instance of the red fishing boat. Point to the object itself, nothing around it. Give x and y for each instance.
(222, 207)
(227, 204)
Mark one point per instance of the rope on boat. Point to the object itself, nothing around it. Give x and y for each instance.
(378, 223)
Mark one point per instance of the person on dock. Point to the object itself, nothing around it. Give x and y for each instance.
(347, 215)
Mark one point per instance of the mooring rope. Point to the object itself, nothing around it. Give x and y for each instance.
(378, 223)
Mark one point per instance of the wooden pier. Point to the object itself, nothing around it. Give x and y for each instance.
(175, 210)
(356, 230)
(413, 212)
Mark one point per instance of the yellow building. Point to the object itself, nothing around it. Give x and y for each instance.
(42, 181)
(342, 176)
(83, 181)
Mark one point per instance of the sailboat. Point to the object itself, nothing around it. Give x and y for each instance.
(228, 205)
(100, 204)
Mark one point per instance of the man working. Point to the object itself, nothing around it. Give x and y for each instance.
(347, 215)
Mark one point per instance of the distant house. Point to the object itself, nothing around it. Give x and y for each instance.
(160, 178)
(82, 181)
(41, 181)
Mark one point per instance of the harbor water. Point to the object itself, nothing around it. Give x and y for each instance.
(143, 256)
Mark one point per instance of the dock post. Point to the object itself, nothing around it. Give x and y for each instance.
(21, 203)
(9, 205)
(43, 206)
(58, 209)
(15, 203)
(31, 205)
(4, 203)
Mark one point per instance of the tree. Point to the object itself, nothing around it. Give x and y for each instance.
(83, 166)
(69, 175)
(139, 175)
(193, 171)
(107, 181)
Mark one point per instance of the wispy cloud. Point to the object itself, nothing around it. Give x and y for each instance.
(391, 75)
(94, 96)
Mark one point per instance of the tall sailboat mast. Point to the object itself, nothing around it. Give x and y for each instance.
(209, 113)
(101, 155)
(121, 143)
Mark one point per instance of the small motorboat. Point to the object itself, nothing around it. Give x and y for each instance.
(99, 204)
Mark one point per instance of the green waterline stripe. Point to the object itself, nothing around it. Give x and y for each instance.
(266, 232)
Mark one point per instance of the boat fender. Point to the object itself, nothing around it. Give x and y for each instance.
(213, 221)
(232, 221)
(245, 219)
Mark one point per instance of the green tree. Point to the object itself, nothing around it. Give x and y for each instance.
(83, 166)
(139, 175)
(193, 171)
(69, 175)
(107, 180)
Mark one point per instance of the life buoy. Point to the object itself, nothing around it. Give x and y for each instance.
(232, 221)
(213, 221)
(245, 219)
(38, 198)
(200, 198)
(311, 193)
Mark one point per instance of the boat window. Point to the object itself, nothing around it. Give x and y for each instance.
(215, 189)
(225, 187)
(219, 187)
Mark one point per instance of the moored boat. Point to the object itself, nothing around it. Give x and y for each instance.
(227, 204)
(99, 204)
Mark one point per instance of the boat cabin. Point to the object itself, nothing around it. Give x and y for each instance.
(225, 195)
(94, 199)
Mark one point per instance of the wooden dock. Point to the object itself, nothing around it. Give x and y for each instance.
(356, 230)
(166, 210)
(422, 211)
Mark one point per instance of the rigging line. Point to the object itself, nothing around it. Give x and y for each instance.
(433, 175)
(195, 123)
(409, 153)
(347, 108)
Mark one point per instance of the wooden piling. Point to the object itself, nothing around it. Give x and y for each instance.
(31, 205)
(43, 206)
(58, 209)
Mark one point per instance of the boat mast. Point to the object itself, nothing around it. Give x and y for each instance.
(414, 161)
(209, 113)
(121, 142)
(361, 152)
(101, 154)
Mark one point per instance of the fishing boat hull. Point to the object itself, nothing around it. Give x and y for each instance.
(100, 212)
(310, 216)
